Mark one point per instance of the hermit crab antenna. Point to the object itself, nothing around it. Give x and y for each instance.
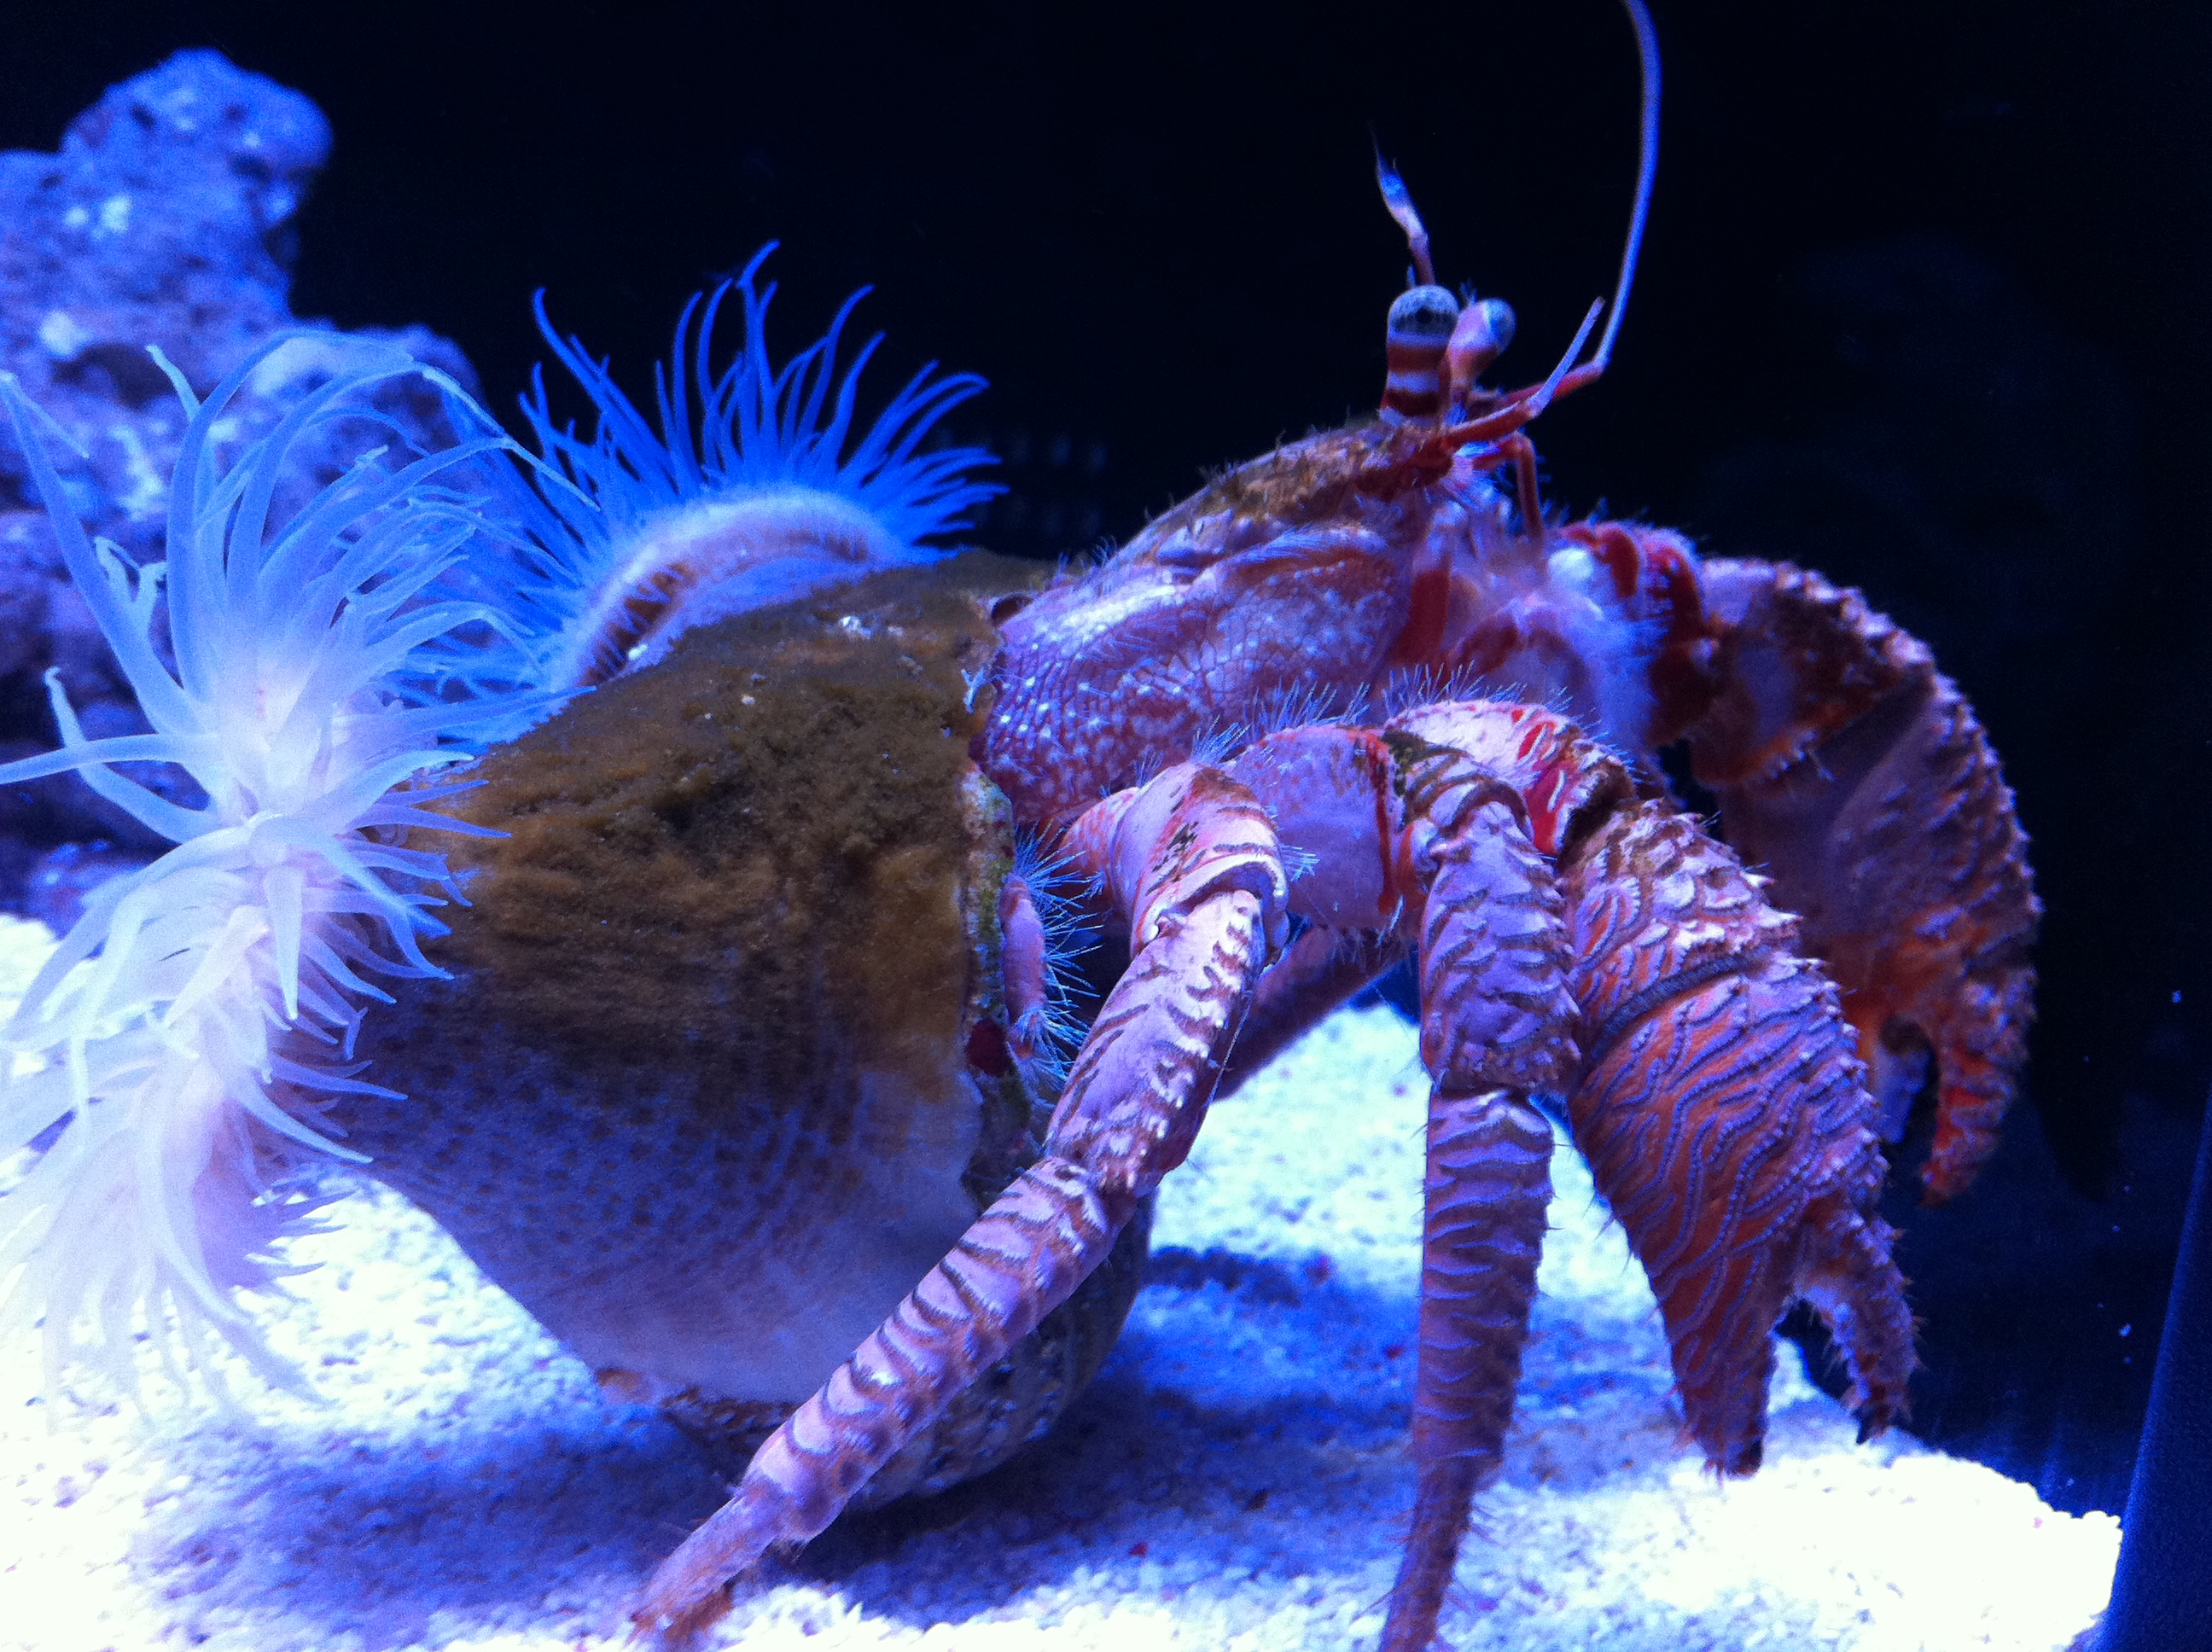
(1542, 399)
(1400, 201)
(1647, 48)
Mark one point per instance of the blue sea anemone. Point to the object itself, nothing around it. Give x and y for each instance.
(175, 1029)
(753, 486)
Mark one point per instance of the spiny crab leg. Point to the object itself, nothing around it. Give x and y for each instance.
(1193, 861)
(1496, 1023)
(1718, 1103)
(1723, 1113)
(1716, 1095)
(1427, 831)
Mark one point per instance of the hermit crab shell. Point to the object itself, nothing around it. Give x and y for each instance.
(722, 1068)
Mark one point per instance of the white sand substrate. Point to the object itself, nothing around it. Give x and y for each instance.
(1235, 1479)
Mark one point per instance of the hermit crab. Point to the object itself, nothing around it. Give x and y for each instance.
(652, 854)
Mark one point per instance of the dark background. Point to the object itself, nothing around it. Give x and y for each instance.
(1922, 304)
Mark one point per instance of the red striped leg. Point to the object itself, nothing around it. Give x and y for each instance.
(1723, 1113)
(1482, 1231)
(1401, 823)
(1021, 1260)
(1495, 1023)
(1192, 858)
(1720, 1106)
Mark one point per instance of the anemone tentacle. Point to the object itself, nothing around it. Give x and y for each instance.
(324, 673)
(751, 478)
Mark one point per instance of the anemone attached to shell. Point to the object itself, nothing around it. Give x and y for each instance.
(322, 674)
(753, 485)
(301, 671)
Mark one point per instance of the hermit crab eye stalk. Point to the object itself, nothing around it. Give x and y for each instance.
(1484, 331)
(1414, 388)
(1421, 327)
(753, 484)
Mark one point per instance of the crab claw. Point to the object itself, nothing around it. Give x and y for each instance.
(1722, 1112)
(1856, 774)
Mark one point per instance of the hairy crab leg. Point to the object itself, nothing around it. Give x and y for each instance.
(1718, 1102)
(1192, 861)
(1722, 1115)
(1496, 1023)
(1426, 835)
(1715, 1092)
(1857, 774)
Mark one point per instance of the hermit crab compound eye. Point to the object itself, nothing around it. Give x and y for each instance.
(1424, 313)
(1421, 327)
(1485, 328)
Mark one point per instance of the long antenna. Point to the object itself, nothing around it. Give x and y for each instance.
(1647, 47)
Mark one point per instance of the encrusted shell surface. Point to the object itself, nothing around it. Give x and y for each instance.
(720, 1070)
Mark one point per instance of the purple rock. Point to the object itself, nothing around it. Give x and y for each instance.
(165, 218)
(56, 881)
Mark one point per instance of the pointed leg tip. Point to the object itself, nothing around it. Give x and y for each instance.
(662, 1626)
(1736, 1459)
(1941, 1183)
(666, 1622)
(1878, 1415)
(1444, 1492)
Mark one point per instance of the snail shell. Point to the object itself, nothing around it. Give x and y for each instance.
(721, 1067)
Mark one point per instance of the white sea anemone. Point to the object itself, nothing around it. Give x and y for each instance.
(319, 677)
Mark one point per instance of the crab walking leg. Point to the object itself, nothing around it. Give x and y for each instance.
(1403, 825)
(1482, 1233)
(1496, 1023)
(1719, 1103)
(1022, 1258)
(1856, 773)
(1193, 861)
(1722, 1111)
